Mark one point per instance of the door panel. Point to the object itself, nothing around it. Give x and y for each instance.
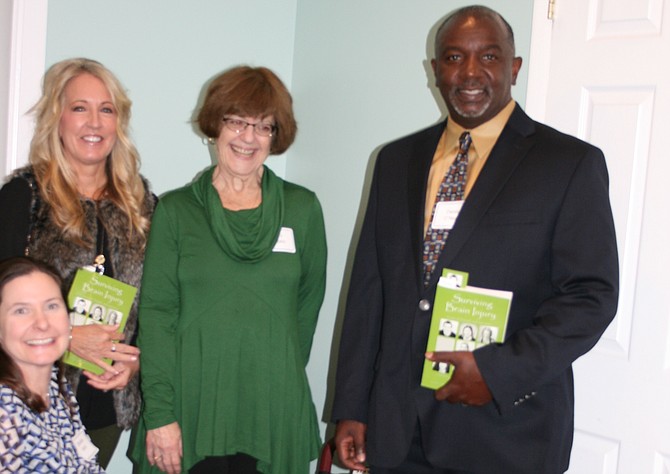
(599, 70)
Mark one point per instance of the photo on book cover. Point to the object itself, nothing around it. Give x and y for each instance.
(465, 318)
(97, 299)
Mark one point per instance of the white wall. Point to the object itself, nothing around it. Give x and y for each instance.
(358, 71)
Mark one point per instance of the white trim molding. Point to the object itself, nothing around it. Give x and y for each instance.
(539, 60)
(26, 68)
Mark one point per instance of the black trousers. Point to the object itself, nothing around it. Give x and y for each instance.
(235, 464)
(416, 462)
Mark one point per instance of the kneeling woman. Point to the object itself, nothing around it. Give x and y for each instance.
(41, 430)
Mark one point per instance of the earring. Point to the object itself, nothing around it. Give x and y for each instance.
(208, 141)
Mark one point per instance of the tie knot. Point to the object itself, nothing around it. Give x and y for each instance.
(464, 142)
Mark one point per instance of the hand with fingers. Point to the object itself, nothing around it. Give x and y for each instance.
(164, 448)
(350, 444)
(117, 380)
(466, 386)
(95, 342)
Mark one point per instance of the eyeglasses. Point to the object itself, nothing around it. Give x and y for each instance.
(262, 129)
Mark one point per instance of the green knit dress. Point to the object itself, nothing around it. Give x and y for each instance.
(228, 310)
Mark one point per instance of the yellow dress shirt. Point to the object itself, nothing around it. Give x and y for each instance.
(484, 137)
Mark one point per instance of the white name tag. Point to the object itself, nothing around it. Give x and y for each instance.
(446, 213)
(285, 241)
(84, 446)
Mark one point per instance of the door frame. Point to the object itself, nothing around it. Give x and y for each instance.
(27, 57)
(539, 61)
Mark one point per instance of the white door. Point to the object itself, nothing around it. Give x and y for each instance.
(600, 70)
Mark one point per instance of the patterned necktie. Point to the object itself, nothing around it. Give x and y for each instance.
(452, 188)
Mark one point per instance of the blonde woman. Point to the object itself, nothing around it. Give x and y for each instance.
(82, 202)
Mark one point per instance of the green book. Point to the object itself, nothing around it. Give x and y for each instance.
(97, 299)
(464, 318)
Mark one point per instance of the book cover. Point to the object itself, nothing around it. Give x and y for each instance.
(97, 299)
(464, 318)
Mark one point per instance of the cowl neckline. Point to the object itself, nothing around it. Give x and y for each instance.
(262, 234)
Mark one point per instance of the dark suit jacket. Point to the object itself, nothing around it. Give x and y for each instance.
(537, 222)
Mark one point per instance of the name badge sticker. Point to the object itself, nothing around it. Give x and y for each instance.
(446, 213)
(285, 241)
(84, 446)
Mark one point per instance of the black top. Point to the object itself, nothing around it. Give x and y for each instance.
(14, 217)
(96, 406)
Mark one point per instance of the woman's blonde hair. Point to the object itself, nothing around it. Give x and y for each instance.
(55, 176)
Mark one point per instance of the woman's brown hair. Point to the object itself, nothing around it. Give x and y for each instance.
(249, 92)
(10, 374)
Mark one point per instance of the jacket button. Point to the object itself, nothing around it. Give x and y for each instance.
(424, 305)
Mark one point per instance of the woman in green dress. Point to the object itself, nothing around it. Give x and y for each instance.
(233, 282)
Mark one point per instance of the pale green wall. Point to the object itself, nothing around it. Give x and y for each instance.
(362, 77)
(357, 69)
(164, 51)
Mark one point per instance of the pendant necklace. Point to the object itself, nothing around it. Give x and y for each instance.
(99, 261)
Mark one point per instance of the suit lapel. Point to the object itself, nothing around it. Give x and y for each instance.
(511, 148)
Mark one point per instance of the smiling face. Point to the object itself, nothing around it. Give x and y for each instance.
(475, 68)
(87, 127)
(34, 323)
(241, 155)
(97, 313)
(467, 333)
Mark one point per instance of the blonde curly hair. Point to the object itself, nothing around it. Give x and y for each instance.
(55, 176)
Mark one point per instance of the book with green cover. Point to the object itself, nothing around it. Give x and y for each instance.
(464, 319)
(97, 299)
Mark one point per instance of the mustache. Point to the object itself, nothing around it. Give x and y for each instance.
(472, 85)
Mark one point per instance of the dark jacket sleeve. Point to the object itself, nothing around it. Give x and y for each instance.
(15, 201)
(583, 276)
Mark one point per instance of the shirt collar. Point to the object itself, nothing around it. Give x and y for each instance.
(483, 136)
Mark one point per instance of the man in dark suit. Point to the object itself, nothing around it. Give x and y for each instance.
(536, 220)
